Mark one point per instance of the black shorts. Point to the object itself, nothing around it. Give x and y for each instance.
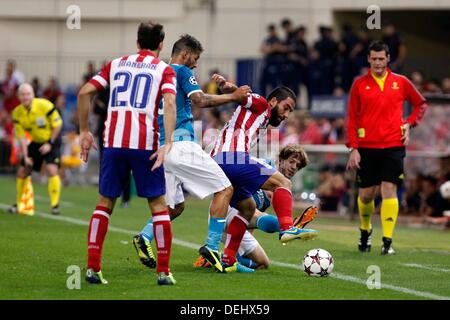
(380, 165)
(53, 157)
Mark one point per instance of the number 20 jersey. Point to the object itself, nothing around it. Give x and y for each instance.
(137, 83)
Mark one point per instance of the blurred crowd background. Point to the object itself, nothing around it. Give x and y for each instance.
(321, 73)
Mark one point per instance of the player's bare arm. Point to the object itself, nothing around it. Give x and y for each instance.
(23, 146)
(170, 117)
(86, 137)
(204, 100)
(224, 85)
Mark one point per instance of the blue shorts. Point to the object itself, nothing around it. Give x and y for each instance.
(246, 173)
(116, 165)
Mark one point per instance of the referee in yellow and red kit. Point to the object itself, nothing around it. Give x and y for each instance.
(377, 136)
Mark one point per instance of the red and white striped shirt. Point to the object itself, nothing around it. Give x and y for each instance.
(137, 83)
(241, 131)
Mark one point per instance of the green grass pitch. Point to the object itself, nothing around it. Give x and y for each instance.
(37, 251)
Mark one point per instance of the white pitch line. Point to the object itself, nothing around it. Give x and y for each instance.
(421, 266)
(191, 245)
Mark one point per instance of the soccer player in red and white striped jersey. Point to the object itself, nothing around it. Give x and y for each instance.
(248, 174)
(131, 140)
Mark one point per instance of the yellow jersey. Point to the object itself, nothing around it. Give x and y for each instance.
(38, 120)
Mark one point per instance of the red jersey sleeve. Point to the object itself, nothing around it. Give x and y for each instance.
(255, 103)
(101, 79)
(417, 101)
(352, 112)
(169, 81)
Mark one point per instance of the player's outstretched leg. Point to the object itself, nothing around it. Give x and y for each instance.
(98, 226)
(308, 215)
(282, 204)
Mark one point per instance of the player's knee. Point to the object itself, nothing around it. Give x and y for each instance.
(227, 192)
(365, 198)
(388, 190)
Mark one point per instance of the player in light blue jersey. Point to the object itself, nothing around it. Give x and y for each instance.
(187, 165)
(291, 159)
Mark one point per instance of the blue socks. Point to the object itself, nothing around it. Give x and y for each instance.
(268, 223)
(246, 261)
(147, 232)
(216, 227)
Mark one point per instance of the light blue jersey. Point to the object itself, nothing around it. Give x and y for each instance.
(186, 85)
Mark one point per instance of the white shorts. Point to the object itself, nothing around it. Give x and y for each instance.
(189, 166)
(248, 243)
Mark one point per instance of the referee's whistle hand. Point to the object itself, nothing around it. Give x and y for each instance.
(354, 160)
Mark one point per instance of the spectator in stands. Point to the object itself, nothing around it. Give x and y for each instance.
(90, 70)
(67, 115)
(337, 131)
(432, 86)
(417, 80)
(291, 132)
(433, 204)
(310, 131)
(411, 202)
(288, 74)
(36, 84)
(445, 85)
(299, 55)
(273, 58)
(327, 48)
(348, 38)
(397, 46)
(52, 91)
(358, 54)
(332, 187)
(343, 69)
(12, 73)
(8, 87)
(315, 74)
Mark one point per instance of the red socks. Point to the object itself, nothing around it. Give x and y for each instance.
(98, 226)
(282, 204)
(163, 238)
(235, 232)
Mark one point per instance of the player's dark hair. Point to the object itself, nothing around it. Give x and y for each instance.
(149, 35)
(187, 42)
(378, 46)
(282, 93)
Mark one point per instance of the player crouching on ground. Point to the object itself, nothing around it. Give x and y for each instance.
(291, 159)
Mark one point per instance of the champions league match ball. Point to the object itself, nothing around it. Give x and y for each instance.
(318, 263)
